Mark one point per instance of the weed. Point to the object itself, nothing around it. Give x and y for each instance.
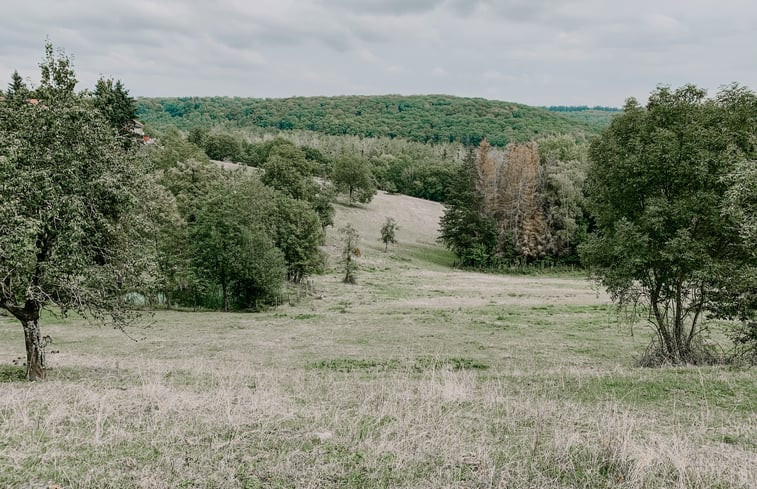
(12, 373)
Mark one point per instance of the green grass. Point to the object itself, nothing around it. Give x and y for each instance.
(430, 255)
(12, 373)
(418, 376)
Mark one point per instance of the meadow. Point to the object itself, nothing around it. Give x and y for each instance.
(419, 375)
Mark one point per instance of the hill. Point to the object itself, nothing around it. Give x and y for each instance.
(422, 118)
(417, 376)
(598, 117)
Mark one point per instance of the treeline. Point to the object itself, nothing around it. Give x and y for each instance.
(421, 118)
(518, 206)
(581, 108)
(393, 165)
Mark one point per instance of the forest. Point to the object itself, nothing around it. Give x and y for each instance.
(421, 118)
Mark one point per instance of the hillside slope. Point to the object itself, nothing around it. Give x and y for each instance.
(418, 219)
(423, 118)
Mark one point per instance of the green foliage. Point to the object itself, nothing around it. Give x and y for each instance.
(665, 238)
(564, 167)
(197, 135)
(297, 232)
(388, 232)
(73, 234)
(57, 77)
(222, 146)
(231, 248)
(67, 191)
(424, 178)
(173, 150)
(120, 110)
(596, 117)
(294, 226)
(464, 228)
(17, 89)
(322, 203)
(423, 118)
(287, 170)
(352, 175)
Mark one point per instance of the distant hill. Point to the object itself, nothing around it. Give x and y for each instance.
(597, 116)
(422, 118)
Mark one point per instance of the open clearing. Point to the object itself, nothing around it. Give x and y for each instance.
(418, 376)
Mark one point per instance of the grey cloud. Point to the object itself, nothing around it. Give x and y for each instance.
(383, 7)
(538, 51)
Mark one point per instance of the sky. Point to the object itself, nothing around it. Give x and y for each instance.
(537, 52)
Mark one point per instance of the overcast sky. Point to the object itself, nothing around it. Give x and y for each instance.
(539, 52)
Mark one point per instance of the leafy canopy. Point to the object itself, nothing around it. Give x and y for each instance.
(667, 238)
(72, 226)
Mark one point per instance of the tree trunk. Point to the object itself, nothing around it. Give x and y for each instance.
(35, 352)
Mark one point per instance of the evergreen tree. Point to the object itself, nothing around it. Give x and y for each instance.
(465, 228)
(118, 108)
(17, 89)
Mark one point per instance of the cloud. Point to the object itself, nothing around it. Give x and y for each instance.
(532, 51)
(382, 7)
(439, 72)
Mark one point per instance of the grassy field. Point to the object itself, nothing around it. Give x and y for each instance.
(418, 376)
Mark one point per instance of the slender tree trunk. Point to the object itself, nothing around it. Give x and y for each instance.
(35, 352)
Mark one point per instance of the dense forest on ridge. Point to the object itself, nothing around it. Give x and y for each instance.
(422, 118)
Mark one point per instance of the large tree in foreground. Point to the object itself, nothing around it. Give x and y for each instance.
(668, 240)
(68, 191)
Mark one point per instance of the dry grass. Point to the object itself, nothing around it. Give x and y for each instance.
(418, 376)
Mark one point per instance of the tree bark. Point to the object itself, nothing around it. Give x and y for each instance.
(35, 351)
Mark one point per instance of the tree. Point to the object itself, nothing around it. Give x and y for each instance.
(517, 208)
(70, 196)
(219, 146)
(564, 166)
(231, 248)
(350, 250)
(297, 232)
(118, 108)
(388, 231)
(322, 203)
(197, 135)
(665, 240)
(287, 170)
(174, 150)
(352, 175)
(465, 228)
(17, 89)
